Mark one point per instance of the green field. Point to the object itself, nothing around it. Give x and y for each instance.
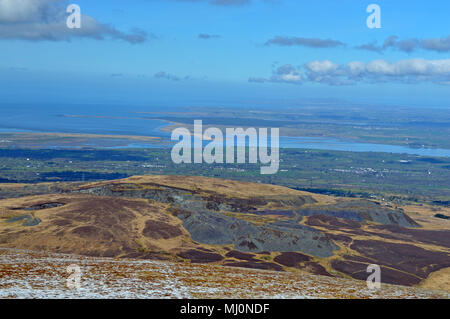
(377, 175)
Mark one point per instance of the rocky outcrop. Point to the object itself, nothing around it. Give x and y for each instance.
(28, 220)
(218, 229)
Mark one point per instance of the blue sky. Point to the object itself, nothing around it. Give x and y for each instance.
(219, 51)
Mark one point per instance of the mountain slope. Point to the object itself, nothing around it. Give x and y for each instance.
(237, 224)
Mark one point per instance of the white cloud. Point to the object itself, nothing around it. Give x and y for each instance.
(322, 67)
(283, 74)
(410, 70)
(410, 67)
(356, 68)
(286, 74)
(327, 72)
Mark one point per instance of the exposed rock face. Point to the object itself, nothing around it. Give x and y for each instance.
(218, 229)
(28, 220)
(441, 216)
(42, 206)
(160, 194)
(192, 200)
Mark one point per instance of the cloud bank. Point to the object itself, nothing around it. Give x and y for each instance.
(205, 36)
(283, 74)
(377, 71)
(409, 45)
(45, 20)
(393, 42)
(171, 77)
(306, 42)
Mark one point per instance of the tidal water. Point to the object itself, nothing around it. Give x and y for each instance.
(123, 120)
